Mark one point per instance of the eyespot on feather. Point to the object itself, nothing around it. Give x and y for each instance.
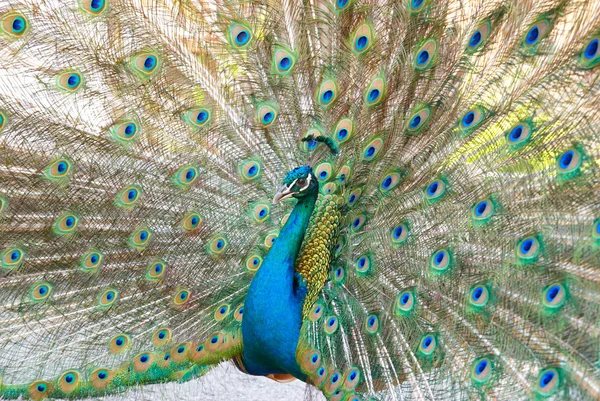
(60, 170)
(528, 248)
(479, 37)
(555, 296)
(405, 302)
(249, 170)
(69, 381)
(270, 239)
(418, 119)
(590, 56)
(536, 34)
(190, 222)
(140, 238)
(260, 212)
(181, 297)
(142, 362)
(482, 211)
(362, 39)
(12, 258)
(596, 230)
(214, 342)
(472, 119)
(342, 5)
(217, 244)
(162, 336)
(390, 181)
(221, 312)
(364, 264)
(185, 177)
(479, 296)
(240, 35)
(428, 344)
(266, 114)
(316, 312)
(69, 81)
(107, 298)
(375, 92)
(331, 324)
(239, 313)
(319, 377)
(358, 222)
(549, 382)
(119, 344)
(339, 246)
(3, 120)
(253, 262)
(399, 234)
(283, 61)
(339, 275)
(310, 361)
(327, 93)
(519, 135)
(40, 389)
(164, 360)
(94, 7)
(91, 261)
(198, 117)
(334, 381)
(372, 324)
(569, 162)
(372, 150)
(417, 6)
(125, 132)
(323, 171)
(156, 270)
(66, 224)
(14, 24)
(128, 197)
(344, 130)
(435, 191)
(482, 370)
(353, 197)
(101, 378)
(40, 291)
(426, 55)
(336, 395)
(145, 63)
(351, 378)
(329, 188)
(441, 261)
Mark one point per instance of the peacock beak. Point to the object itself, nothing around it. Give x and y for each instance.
(283, 193)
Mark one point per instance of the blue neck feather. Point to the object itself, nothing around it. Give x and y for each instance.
(273, 307)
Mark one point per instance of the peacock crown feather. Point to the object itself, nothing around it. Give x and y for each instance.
(297, 173)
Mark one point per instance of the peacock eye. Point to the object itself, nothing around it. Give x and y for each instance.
(301, 182)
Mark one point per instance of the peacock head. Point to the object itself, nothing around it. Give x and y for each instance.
(298, 183)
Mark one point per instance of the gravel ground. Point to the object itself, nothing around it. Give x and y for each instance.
(224, 383)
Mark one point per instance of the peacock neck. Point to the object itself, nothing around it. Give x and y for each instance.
(294, 229)
(273, 307)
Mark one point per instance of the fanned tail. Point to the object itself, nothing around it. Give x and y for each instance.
(126, 246)
(467, 265)
(141, 143)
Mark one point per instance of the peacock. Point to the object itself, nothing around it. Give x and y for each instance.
(385, 199)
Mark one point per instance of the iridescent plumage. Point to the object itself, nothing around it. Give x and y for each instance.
(435, 168)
